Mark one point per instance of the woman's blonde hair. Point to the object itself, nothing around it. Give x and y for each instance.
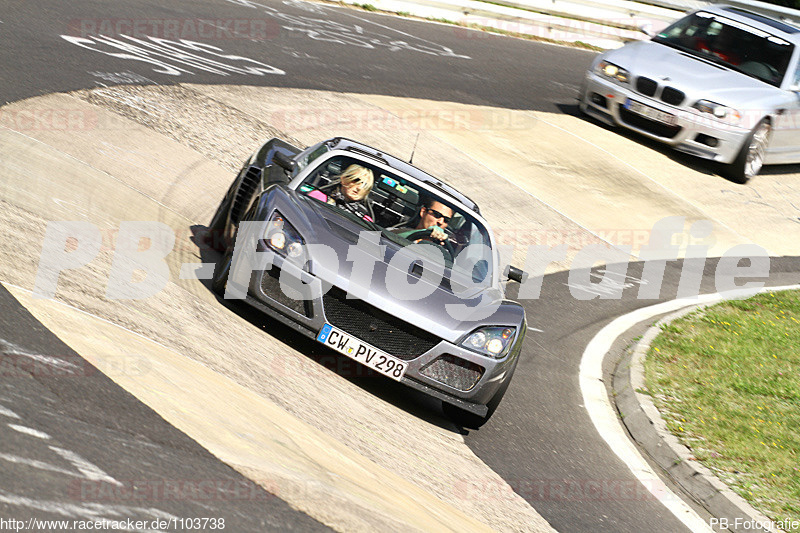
(358, 174)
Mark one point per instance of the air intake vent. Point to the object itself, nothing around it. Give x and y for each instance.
(244, 193)
(270, 285)
(454, 371)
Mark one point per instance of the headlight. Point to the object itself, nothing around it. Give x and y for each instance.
(491, 341)
(728, 114)
(610, 70)
(282, 237)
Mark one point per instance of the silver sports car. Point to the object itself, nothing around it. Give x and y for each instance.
(377, 260)
(722, 83)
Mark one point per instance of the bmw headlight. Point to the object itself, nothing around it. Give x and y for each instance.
(491, 341)
(728, 114)
(282, 237)
(610, 70)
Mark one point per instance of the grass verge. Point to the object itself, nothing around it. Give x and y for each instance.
(727, 382)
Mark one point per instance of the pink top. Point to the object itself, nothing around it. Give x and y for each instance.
(318, 195)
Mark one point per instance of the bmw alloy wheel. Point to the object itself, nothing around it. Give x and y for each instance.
(756, 150)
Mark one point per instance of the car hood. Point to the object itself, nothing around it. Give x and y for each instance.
(697, 78)
(444, 312)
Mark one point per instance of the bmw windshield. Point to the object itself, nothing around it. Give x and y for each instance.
(731, 43)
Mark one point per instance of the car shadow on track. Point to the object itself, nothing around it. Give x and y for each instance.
(702, 166)
(413, 402)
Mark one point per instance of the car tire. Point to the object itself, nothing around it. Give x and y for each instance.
(214, 236)
(221, 271)
(750, 159)
(468, 420)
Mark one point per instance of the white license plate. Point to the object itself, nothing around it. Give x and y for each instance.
(650, 112)
(362, 352)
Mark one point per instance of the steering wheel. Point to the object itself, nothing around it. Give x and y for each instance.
(425, 236)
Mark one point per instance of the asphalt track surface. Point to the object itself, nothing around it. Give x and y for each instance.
(541, 437)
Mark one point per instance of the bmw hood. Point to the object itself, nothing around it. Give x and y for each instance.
(698, 78)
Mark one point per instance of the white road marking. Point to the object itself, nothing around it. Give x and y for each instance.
(39, 465)
(29, 431)
(445, 50)
(9, 348)
(4, 411)
(604, 416)
(174, 58)
(84, 468)
(89, 471)
(93, 511)
(323, 29)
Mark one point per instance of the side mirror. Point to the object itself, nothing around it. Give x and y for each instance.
(284, 161)
(515, 274)
(647, 29)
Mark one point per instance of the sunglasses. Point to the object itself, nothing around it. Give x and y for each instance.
(437, 214)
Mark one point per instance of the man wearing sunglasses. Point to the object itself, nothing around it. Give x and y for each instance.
(435, 216)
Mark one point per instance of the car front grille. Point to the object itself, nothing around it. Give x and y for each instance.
(454, 371)
(650, 126)
(646, 86)
(669, 95)
(672, 96)
(378, 328)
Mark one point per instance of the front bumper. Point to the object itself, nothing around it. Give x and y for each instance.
(696, 133)
(434, 366)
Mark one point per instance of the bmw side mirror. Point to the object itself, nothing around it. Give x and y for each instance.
(515, 274)
(647, 29)
(284, 161)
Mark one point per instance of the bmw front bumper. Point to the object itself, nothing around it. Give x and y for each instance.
(683, 128)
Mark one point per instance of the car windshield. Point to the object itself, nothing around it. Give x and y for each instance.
(734, 44)
(405, 213)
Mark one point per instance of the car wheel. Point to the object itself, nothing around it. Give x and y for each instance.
(215, 234)
(751, 157)
(223, 268)
(465, 419)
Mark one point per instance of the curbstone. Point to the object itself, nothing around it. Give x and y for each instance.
(646, 426)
